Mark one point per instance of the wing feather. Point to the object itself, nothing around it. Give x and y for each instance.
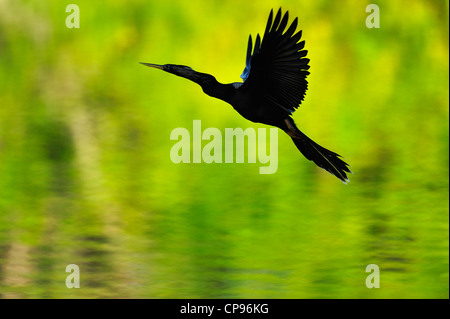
(278, 66)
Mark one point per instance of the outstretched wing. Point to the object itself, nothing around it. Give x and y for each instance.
(278, 68)
(248, 59)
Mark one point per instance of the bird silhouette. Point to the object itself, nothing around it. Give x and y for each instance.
(274, 85)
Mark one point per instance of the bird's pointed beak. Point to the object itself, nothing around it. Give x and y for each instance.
(156, 66)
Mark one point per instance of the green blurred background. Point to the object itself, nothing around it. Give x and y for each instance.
(86, 177)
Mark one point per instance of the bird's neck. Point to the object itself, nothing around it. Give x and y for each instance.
(224, 92)
(212, 87)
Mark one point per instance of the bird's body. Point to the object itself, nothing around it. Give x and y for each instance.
(273, 88)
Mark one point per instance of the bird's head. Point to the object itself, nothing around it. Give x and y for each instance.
(186, 72)
(180, 70)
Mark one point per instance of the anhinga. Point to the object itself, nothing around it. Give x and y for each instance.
(273, 88)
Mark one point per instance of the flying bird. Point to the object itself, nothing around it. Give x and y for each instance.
(274, 85)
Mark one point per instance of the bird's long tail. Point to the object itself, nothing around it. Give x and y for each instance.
(322, 157)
